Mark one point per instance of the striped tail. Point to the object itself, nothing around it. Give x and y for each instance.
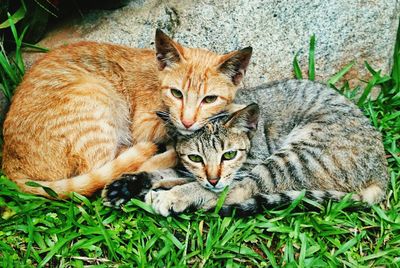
(260, 202)
(86, 184)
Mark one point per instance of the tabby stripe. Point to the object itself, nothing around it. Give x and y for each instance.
(99, 103)
(307, 144)
(214, 144)
(95, 128)
(267, 140)
(63, 114)
(293, 169)
(342, 171)
(310, 107)
(197, 144)
(319, 161)
(204, 82)
(281, 163)
(305, 164)
(293, 172)
(73, 122)
(186, 80)
(92, 142)
(100, 153)
(274, 168)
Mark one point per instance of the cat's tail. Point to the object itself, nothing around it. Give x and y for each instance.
(260, 202)
(86, 184)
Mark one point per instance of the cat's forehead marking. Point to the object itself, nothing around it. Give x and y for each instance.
(196, 79)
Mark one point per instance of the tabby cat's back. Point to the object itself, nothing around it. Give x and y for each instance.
(308, 130)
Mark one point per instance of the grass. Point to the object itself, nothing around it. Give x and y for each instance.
(35, 231)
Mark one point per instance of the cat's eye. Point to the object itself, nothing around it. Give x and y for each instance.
(195, 158)
(229, 155)
(176, 93)
(210, 99)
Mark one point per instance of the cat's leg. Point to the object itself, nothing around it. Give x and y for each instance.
(181, 198)
(193, 196)
(137, 185)
(161, 161)
(242, 190)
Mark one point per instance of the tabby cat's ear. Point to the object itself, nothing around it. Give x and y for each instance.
(234, 64)
(168, 52)
(245, 119)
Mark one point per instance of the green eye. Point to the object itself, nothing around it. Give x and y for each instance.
(210, 99)
(229, 155)
(195, 158)
(176, 93)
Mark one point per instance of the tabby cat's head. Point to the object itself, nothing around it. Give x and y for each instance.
(197, 83)
(214, 153)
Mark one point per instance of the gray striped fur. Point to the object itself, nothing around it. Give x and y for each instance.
(309, 137)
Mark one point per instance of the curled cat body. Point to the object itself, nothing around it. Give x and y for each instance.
(304, 136)
(85, 113)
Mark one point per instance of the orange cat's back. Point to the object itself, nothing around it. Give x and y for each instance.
(71, 114)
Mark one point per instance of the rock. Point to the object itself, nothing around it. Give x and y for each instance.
(345, 31)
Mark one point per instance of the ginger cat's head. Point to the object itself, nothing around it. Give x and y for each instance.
(197, 83)
(215, 153)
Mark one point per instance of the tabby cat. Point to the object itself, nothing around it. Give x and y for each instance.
(85, 113)
(309, 137)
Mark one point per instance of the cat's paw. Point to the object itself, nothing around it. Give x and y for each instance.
(128, 186)
(167, 202)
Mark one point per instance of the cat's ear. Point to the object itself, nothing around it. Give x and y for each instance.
(245, 119)
(235, 64)
(168, 52)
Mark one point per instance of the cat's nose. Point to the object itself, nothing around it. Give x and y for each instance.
(213, 182)
(187, 123)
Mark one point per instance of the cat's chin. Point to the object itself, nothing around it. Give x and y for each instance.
(185, 131)
(214, 189)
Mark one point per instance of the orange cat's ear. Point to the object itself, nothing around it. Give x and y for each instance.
(168, 52)
(234, 64)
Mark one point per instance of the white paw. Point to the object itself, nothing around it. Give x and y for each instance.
(166, 202)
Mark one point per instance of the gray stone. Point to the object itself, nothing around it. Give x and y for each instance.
(358, 30)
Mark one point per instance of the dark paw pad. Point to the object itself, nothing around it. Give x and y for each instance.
(128, 186)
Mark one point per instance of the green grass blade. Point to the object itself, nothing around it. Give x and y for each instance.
(48, 190)
(16, 17)
(311, 59)
(396, 62)
(221, 200)
(5, 85)
(296, 68)
(5, 64)
(39, 48)
(335, 78)
(57, 247)
(106, 235)
(349, 244)
(18, 43)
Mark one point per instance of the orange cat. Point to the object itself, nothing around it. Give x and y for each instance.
(85, 113)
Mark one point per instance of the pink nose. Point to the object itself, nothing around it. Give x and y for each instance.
(187, 124)
(213, 182)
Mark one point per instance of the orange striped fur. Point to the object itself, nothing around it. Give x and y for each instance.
(80, 116)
